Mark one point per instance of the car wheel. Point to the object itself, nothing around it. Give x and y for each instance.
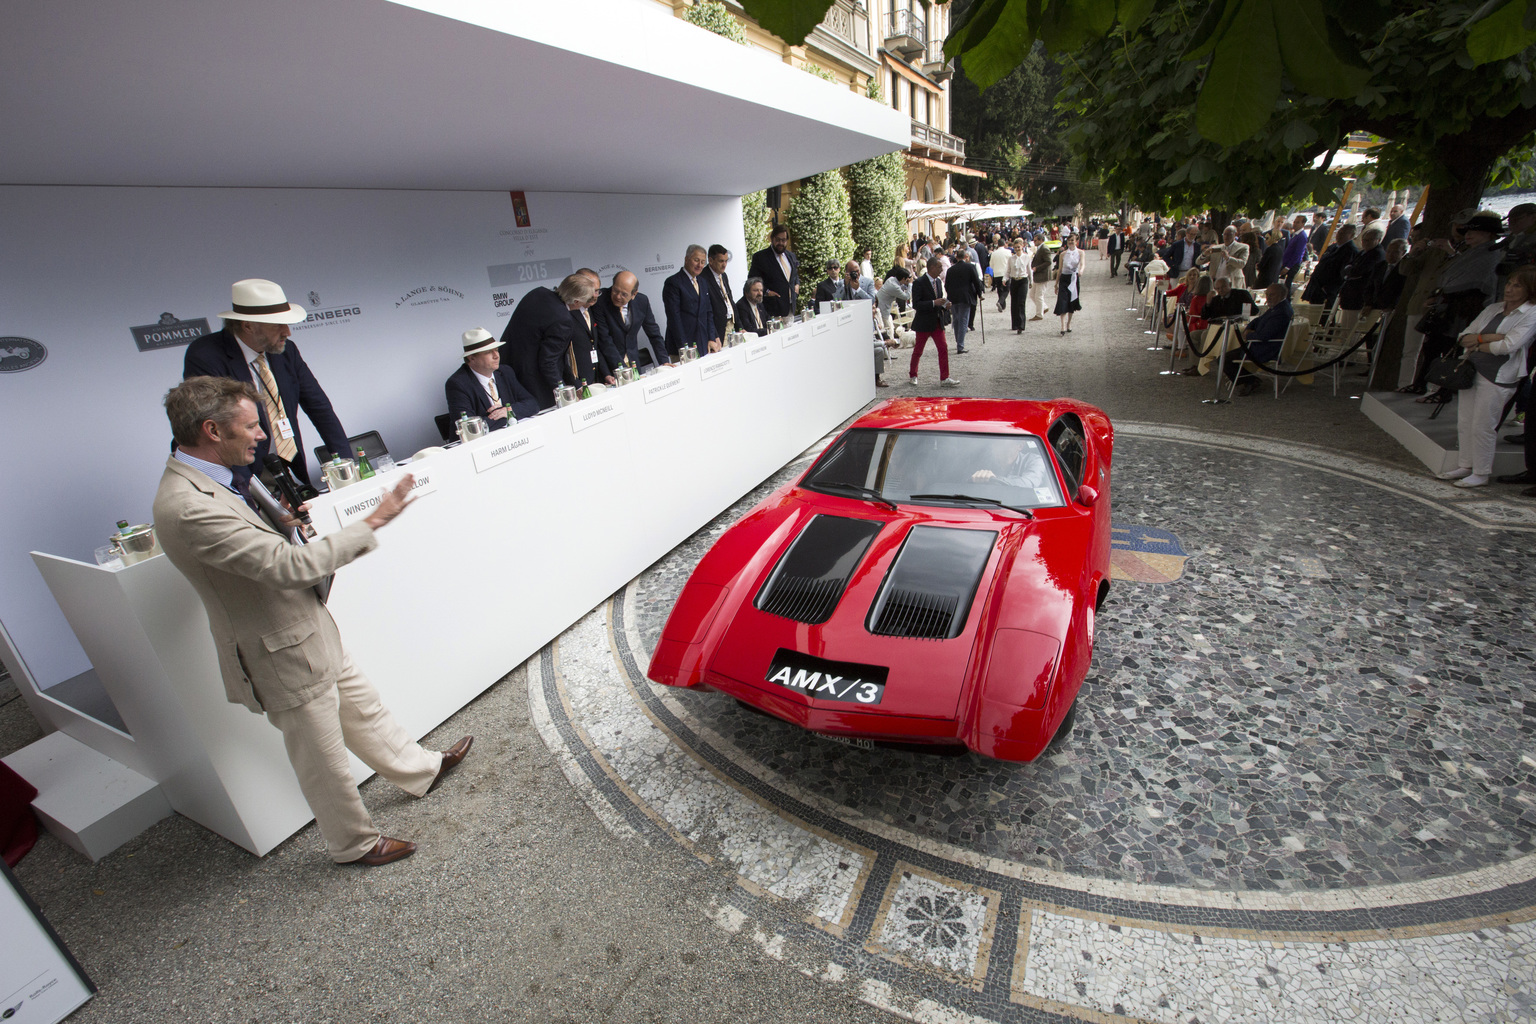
(1064, 730)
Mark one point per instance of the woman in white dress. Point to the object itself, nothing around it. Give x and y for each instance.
(1069, 264)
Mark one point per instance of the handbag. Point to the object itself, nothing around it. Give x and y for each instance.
(1436, 318)
(1451, 373)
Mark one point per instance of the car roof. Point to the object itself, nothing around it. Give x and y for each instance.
(979, 415)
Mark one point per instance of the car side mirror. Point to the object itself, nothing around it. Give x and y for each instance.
(1086, 496)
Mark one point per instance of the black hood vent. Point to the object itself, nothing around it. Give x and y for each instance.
(809, 579)
(928, 590)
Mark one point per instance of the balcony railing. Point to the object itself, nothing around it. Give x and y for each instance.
(932, 138)
(908, 33)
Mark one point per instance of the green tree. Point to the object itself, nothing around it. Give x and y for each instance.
(756, 220)
(876, 190)
(820, 227)
(1004, 126)
(717, 18)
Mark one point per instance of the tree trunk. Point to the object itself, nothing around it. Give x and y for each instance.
(1219, 220)
(1448, 199)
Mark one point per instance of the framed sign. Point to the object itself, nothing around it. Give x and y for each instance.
(40, 982)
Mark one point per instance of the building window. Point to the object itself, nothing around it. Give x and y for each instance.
(895, 91)
(913, 108)
(928, 190)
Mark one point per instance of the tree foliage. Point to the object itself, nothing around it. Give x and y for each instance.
(756, 220)
(1132, 100)
(820, 227)
(717, 18)
(876, 190)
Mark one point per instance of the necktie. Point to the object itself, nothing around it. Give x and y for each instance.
(490, 389)
(242, 487)
(695, 282)
(784, 265)
(588, 318)
(284, 446)
(624, 312)
(570, 357)
(757, 315)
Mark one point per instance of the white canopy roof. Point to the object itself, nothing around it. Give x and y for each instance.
(962, 212)
(597, 96)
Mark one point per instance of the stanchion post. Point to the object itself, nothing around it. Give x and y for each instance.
(1221, 365)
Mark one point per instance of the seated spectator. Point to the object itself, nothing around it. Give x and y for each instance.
(1263, 336)
(483, 387)
(1495, 341)
(1228, 301)
(1197, 300)
(749, 311)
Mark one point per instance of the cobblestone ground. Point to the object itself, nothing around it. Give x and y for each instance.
(614, 853)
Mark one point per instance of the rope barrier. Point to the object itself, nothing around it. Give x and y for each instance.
(1367, 336)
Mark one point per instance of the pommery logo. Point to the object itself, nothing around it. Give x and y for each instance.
(169, 332)
(17, 354)
(427, 294)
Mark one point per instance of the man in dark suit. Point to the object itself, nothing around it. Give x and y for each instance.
(1263, 336)
(622, 313)
(685, 300)
(594, 363)
(721, 304)
(1114, 245)
(537, 343)
(253, 347)
(483, 387)
(750, 315)
(928, 301)
(964, 287)
(780, 272)
(1181, 255)
(826, 288)
(1328, 276)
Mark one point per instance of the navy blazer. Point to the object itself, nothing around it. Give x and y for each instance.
(690, 320)
(617, 340)
(925, 292)
(963, 283)
(1168, 256)
(219, 355)
(465, 395)
(766, 266)
(537, 342)
(721, 304)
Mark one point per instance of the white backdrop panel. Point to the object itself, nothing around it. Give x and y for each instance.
(404, 272)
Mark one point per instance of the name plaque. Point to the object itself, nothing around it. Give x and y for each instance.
(663, 385)
(360, 500)
(715, 367)
(505, 445)
(594, 411)
(820, 326)
(844, 316)
(791, 336)
(758, 350)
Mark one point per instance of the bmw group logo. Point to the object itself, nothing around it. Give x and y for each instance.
(17, 354)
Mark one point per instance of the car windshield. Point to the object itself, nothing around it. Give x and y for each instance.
(894, 465)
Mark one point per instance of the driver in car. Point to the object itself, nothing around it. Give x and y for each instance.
(1022, 465)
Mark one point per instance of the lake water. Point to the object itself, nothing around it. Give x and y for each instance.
(1503, 204)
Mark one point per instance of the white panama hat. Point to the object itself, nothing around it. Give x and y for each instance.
(477, 340)
(263, 302)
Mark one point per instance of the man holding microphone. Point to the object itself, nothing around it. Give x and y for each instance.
(279, 650)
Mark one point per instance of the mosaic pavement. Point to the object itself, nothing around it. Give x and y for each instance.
(1301, 785)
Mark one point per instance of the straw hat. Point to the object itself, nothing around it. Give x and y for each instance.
(262, 302)
(477, 340)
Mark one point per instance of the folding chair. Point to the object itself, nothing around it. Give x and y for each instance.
(1294, 336)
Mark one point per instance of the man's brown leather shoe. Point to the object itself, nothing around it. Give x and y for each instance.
(385, 851)
(451, 758)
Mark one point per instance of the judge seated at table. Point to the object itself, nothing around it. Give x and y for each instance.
(1263, 336)
(538, 343)
(483, 387)
(750, 315)
(626, 325)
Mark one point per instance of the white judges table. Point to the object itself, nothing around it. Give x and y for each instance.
(513, 538)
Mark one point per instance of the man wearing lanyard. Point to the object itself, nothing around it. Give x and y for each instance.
(253, 347)
(721, 303)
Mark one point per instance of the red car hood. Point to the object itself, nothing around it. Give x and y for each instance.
(928, 678)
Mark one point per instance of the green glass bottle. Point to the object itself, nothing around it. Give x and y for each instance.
(364, 467)
(584, 391)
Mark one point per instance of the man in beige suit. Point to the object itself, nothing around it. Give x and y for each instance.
(279, 650)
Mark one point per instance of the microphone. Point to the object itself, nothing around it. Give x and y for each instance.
(283, 475)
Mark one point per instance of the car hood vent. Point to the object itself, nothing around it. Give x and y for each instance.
(808, 581)
(928, 590)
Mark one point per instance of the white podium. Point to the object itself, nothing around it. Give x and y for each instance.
(513, 538)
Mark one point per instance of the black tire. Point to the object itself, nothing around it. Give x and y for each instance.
(1064, 730)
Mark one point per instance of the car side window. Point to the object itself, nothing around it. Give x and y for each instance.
(1066, 437)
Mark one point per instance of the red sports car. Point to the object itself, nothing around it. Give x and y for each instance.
(932, 579)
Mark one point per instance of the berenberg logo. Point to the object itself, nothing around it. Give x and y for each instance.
(336, 314)
(17, 354)
(169, 332)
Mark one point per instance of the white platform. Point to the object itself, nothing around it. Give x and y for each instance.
(91, 802)
(495, 559)
(1433, 442)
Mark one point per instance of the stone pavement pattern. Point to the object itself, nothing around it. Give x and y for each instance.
(736, 871)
